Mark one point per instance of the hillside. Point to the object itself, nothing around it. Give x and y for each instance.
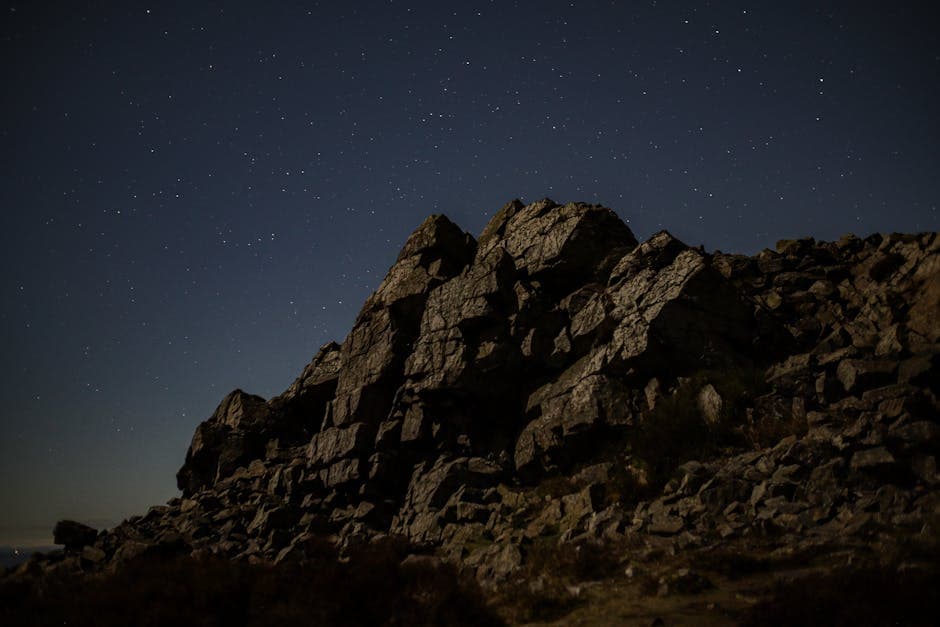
(565, 417)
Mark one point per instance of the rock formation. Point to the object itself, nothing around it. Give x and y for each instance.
(557, 381)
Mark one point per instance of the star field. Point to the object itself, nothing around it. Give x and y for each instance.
(196, 198)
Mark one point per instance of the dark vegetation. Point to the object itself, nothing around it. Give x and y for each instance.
(874, 596)
(898, 588)
(373, 587)
(675, 431)
(734, 564)
(546, 588)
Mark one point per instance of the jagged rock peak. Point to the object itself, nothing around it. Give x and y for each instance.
(436, 234)
(237, 408)
(375, 350)
(654, 254)
(497, 224)
(558, 244)
(433, 253)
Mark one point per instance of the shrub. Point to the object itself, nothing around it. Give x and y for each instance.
(544, 589)
(767, 431)
(675, 431)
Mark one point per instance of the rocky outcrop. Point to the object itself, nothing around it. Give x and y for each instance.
(557, 381)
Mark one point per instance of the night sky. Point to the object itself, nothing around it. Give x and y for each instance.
(195, 198)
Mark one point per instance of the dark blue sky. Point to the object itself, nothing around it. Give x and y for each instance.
(196, 197)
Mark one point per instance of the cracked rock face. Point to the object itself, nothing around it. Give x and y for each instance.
(375, 350)
(496, 392)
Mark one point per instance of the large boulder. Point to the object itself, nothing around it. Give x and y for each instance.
(676, 313)
(230, 438)
(561, 246)
(73, 535)
(299, 411)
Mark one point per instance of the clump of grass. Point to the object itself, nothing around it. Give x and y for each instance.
(766, 431)
(543, 599)
(582, 561)
(545, 588)
(627, 483)
(555, 487)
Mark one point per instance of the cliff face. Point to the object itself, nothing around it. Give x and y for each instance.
(557, 381)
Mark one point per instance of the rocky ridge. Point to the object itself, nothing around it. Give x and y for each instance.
(554, 382)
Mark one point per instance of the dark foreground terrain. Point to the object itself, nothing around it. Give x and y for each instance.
(554, 423)
(382, 586)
